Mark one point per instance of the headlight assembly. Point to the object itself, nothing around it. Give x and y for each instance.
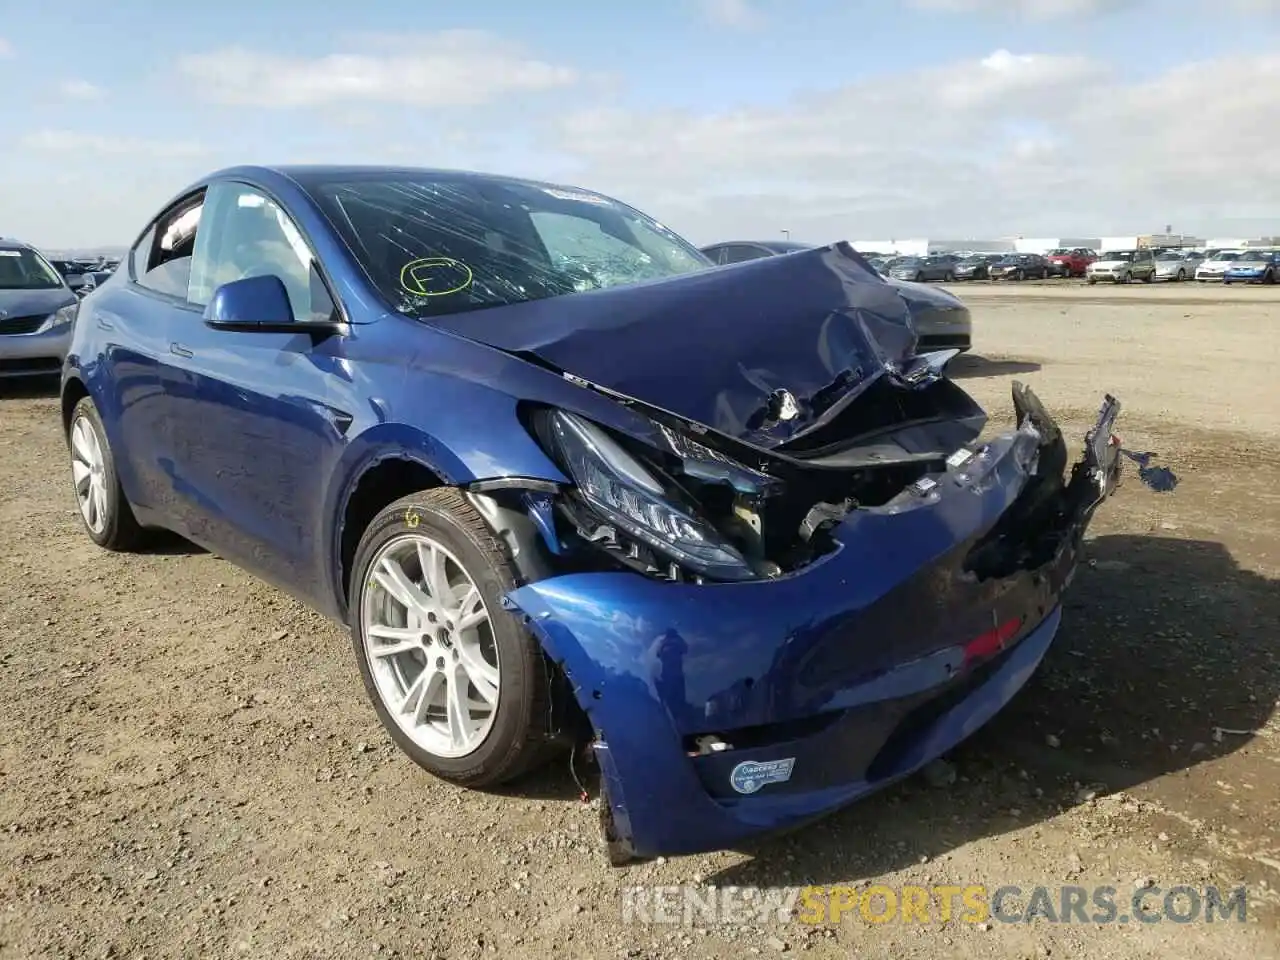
(62, 318)
(624, 492)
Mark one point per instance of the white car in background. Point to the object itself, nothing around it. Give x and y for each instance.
(1212, 268)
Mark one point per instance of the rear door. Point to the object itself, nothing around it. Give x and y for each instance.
(129, 326)
(251, 427)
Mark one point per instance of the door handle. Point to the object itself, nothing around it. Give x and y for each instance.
(103, 323)
(178, 350)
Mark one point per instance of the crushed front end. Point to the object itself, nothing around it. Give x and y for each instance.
(757, 643)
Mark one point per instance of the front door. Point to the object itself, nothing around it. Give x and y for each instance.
(251, 428)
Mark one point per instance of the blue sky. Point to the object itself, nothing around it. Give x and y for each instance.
(724, 118)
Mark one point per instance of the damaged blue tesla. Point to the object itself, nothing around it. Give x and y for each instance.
(724, 531)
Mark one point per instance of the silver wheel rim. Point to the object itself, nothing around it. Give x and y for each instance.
(430, 646)
(88, 472)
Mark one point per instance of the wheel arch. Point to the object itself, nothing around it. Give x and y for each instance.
(379, 481)
(73, 391)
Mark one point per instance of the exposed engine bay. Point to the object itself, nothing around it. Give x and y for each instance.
(715, 509)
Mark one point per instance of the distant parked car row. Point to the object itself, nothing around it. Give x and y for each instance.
(1117, 266)
(941, 320)
(84, 275)
(1240, 266)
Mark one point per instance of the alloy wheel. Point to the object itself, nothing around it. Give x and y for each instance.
(430, 646)
(88, 471)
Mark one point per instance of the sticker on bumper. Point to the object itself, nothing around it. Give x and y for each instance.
(751, 775)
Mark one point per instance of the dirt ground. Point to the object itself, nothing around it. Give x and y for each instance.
(189, 767)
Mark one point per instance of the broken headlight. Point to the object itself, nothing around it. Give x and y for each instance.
(624, 492)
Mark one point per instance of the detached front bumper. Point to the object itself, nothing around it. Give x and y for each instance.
(722, 712)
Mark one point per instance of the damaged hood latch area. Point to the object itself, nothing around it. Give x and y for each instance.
(762, 351)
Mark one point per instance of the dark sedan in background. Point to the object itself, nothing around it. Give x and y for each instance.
(977, 266)
(741, 251)
(942, 322)
(1021, 266)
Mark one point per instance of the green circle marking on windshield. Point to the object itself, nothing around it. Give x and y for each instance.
(435, 276)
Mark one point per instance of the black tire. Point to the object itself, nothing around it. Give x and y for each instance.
(518, 738)
(1093, 281)
(1181, 277)
(919, 278)
(1019, 275)
(1148, 277)
(1269, 277)
(949, 278)
(120, 531)
(1125, 278)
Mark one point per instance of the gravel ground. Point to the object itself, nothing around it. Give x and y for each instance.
(190, 769)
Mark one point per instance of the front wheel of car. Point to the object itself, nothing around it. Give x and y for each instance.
(455, 678)
(1093, 281)
(1148, 277)
(104, 509)
(1182, 276)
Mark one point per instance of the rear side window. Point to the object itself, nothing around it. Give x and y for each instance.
(141, 254)
(162, 259)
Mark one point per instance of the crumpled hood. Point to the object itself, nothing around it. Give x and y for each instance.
(759, 351)
(30, 303)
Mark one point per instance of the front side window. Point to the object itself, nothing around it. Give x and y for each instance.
(247, 234)
(438, 246)
(24, 269)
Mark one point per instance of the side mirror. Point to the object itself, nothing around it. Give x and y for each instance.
(261, 305)
(249, 305)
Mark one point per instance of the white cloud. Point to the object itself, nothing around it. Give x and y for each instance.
(1077, 9)
(454, 68)
(81, 90)
(735, 14)
(71, 141)
(1036, 9)
(1011, 143)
